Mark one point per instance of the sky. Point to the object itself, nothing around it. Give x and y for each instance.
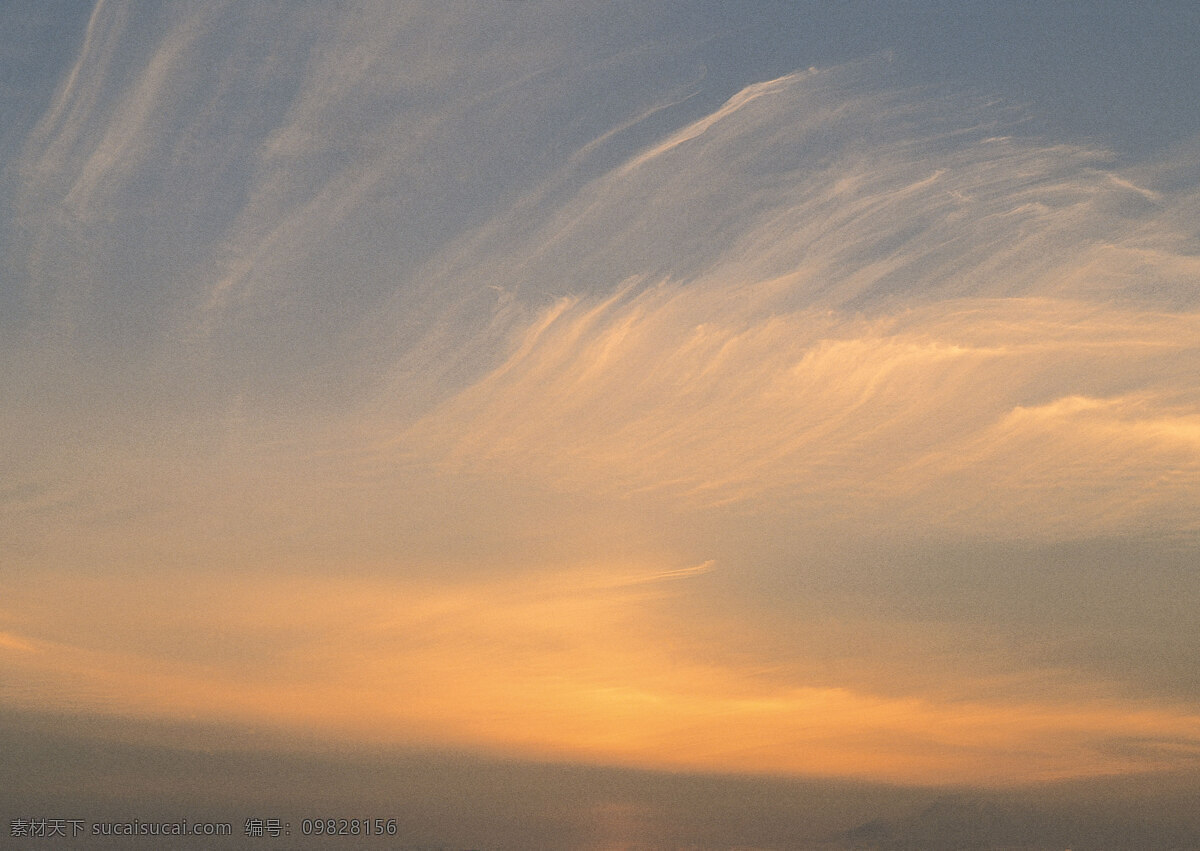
(765, 391)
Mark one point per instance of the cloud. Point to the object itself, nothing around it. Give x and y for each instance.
(14, 642)
(698, 128)
(962, 331)
(437, 379)
(568, 664)
(973, 414)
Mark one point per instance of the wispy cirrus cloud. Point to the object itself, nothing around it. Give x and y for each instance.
(391, 374)
(956, 415)
(955, 334)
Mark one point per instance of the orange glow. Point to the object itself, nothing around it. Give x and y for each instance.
(575, 665)
(436, 380)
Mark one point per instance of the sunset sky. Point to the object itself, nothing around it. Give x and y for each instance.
(782, 389)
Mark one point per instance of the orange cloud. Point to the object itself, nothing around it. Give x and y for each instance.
(938, 416)
(581, 664)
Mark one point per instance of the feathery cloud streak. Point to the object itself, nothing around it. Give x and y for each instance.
(485, 384)
(967, 332)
